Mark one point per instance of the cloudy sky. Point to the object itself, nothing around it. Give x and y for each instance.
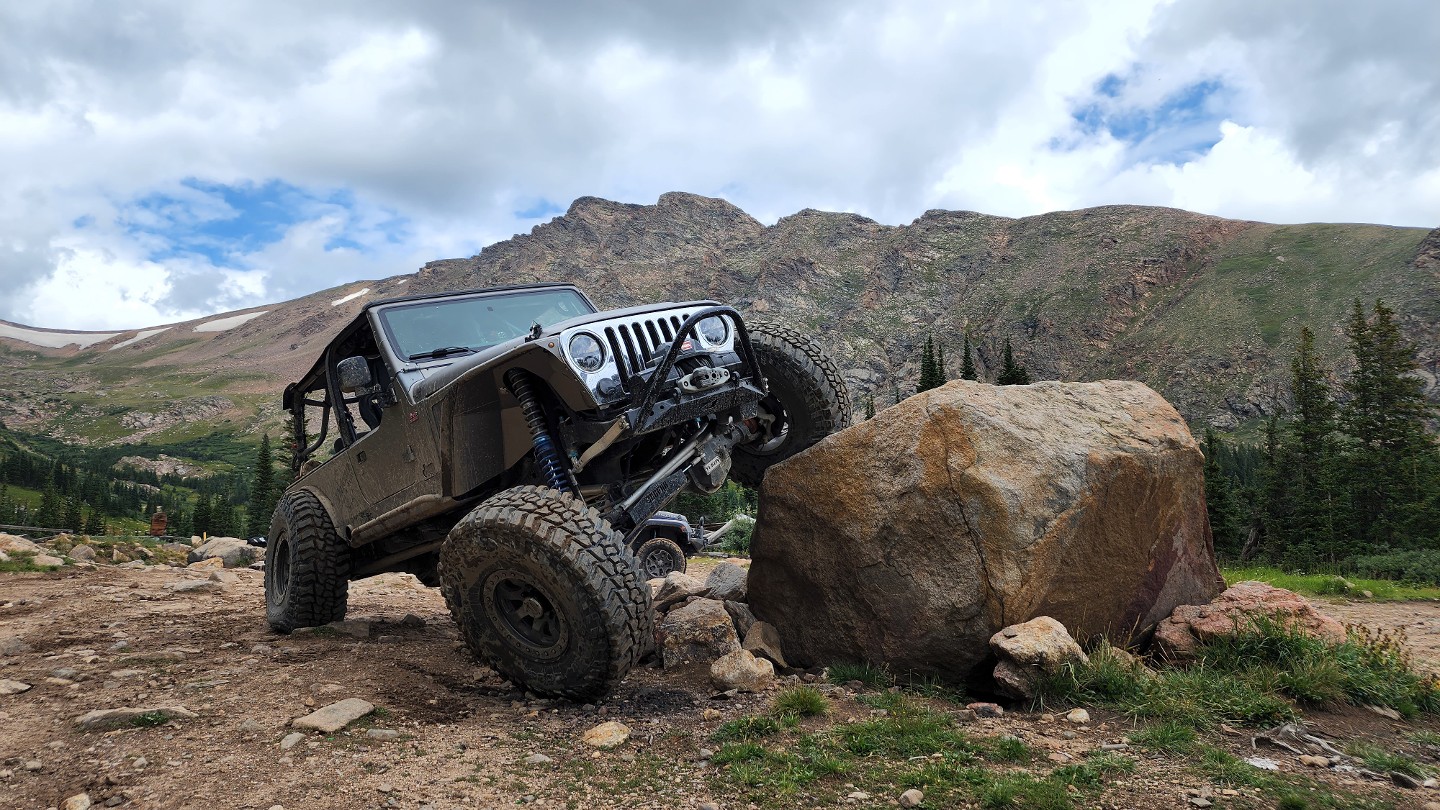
(163, 160)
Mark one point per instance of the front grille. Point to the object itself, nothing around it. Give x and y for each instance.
(635, 343)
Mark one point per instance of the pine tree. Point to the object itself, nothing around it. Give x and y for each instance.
(930, 375)
(1220, 501)
(870, 407)
(94, 523)
(1391, 466)
(262, 492)
(940, 373)
(51, 510)
(967, 365)
(1011, 373)
(895, 392)
(202, 514)
(1308, 453)
(71, 518)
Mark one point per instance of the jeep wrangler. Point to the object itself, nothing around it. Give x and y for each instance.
(506, 443)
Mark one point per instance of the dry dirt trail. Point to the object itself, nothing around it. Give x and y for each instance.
(107, 637)
(1420, 622)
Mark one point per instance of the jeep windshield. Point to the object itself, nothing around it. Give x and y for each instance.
(443, 327)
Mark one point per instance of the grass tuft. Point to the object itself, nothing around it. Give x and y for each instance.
(801, 701)
(745, 728)
(1170, 737)
(868, 674)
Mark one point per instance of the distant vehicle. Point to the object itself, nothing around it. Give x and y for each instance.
(664, 542)
(504, 443)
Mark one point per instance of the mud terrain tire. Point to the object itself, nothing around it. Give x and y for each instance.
(805, 385)
(307, 566)
(659, 556)
(545, 591)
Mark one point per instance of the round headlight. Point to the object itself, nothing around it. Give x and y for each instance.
(587, 352)
(713, 330)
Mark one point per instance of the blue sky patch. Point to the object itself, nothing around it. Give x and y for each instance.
(541, 208)
(224, 222)
(1184, 124)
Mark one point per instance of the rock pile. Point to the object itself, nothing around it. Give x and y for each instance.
(914, 537)
(705, 628)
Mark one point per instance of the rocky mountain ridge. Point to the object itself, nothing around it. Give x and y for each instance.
(1204, 309)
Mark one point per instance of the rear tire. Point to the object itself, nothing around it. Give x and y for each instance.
(658, 556)
(307, 566)
(808, 400)
(545, 591)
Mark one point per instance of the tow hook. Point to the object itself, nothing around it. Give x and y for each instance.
(703, 379)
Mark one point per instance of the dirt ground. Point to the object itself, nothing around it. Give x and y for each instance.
(1419, 621)
(108, 637)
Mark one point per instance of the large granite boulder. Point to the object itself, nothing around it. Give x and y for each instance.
(913, 537)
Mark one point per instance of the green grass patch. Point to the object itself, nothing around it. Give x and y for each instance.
(1334, 584)
(1379, 759)
(23, 562)
(801, 701)
(1170, 737)
(150, 719)
(867, 674)
(1257, 677)
(906, 744)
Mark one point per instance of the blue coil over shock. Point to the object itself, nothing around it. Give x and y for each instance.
(547, 456)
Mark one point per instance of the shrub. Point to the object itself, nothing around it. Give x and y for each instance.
(1420, 566)
(801, 701)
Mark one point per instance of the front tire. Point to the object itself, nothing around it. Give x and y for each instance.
(659, 556)
(808, 400)
(307, 566)
(545, 591)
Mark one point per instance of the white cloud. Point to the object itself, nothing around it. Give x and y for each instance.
(437, 122)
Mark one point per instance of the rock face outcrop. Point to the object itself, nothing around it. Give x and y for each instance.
(1237, 610)
(913, 537)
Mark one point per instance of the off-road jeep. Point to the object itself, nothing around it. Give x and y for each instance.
(505, 443)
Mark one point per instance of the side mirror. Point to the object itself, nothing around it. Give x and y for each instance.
(354, 374)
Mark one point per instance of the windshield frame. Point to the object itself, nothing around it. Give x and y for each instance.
(401, 355)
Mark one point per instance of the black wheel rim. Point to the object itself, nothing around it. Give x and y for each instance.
(658, 562)
(278, 569)
(774, 427)
(525, 613)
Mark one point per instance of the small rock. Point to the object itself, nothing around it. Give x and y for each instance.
(291, 740)
(1078, 716)
(335, 716)
(985, 709)
(207, 564)
(351, 627)
(707, 806)
(1314, 761)
(1389, 714)
(676, 588)
(858, 795)
(119, 646)
(764, 641)
(9, 687)
(385, 787)
(1263, 763)
(742, 617)
(728, 582)
(1200, 801)
(711, 715)
(1367, 594)
(382, 734)
(13, 645)
(1404, 780)
(67, 673)
(47, 561)
(33, 765)
(1114, 747)
(193, 586)
(911, 798)
(538, 759)
(113, 718)
(224, 577)
(140, 762)
(251, 727)
(80, 801)
(741, 670)
(606, 735)
(82, 553)
(411, 620)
